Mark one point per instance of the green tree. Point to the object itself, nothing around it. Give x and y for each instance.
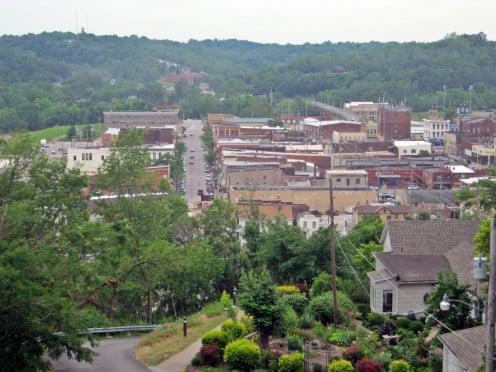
(39, 204)
(458, 316)
(258, 297)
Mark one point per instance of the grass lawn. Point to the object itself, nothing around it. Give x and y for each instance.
(60, 132)
(168, 340)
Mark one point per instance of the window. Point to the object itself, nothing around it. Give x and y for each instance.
(387, 300)
(357, 181)
(304, 224)
(314, 224)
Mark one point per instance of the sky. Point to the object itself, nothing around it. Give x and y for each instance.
(263, 21)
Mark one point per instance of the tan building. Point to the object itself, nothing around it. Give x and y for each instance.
(317, 198)
(250, 173)
(366, 110)
(88, 160)
(146, 119)
(385, 212)
(347, 179)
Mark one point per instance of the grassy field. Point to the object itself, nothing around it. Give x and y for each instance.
(168, 340)
(60, 133)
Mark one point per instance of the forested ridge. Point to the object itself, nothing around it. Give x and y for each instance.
(65, 78)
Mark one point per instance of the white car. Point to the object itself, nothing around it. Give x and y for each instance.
(413, 187)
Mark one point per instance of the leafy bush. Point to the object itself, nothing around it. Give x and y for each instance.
(399, 366)
(296, 301)
(342, 337)
(196, 361)
(307, 321)
(321, 308)
(294, 343)
(291, 363)
(242, 354)
(247, 320)
(416, 326)
(364, 309)
(210, 355)
(290, 322)
(234, 330)
(321, 284)
(287, 289)
(374, 320)
(353, 354)
(403, 322)
(367, 365)
(215, 337)
(268, 360)
(341, 366)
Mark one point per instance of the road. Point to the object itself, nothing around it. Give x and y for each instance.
(194, 167)
(115, 354)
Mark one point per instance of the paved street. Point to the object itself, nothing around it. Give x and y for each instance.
(194, 167)
(116, 354)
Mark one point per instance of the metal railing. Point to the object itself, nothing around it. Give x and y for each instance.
(123, 329)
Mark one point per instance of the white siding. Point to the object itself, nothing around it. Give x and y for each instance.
(411, 298)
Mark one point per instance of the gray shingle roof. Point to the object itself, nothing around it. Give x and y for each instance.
(428, 237)
(418, 268)
(467, 345)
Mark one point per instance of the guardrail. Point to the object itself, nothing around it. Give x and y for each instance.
(123, 329)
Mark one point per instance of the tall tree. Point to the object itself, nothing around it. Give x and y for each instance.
(39, 204)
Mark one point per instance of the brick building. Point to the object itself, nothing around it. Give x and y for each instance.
(393, 123)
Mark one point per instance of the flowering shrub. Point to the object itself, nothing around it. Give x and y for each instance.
(210, 355)
(353, 354)
(367, 365)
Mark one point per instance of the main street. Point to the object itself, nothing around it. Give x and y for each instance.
(194, 165)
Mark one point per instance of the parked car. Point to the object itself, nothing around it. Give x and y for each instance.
(413, 187)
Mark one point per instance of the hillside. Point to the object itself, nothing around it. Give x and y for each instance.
(78, 76)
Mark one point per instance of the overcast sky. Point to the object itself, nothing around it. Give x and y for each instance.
(263, 21)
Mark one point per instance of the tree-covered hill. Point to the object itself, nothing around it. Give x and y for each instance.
(65, 78)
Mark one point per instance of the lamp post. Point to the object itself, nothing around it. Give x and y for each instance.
(445, 304)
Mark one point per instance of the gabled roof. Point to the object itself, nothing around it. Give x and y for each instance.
(413, 268)
(375, 209)
(428, 237)
(467, 345)
(431, 196)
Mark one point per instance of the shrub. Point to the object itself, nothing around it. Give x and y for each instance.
(403, 322)
(364, 309)
(247, 320)
(322, 307)
(234, 330)
(294, 343)
(353, 354)
(321, 284)
(290, 321)
(367, 365)
(287, 290)
(269, 359)
(416, 326)
(399, 366)
(210, 355)
(196, 361)
(307, 321)
(291, 363)
(341, 366)
(242, 354)
(375, 320)
(296, 301)
(215, 337)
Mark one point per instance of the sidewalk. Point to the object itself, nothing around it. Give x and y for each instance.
(179, 361)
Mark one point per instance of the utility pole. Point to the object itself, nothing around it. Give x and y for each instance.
(333, 254)
(491, 300)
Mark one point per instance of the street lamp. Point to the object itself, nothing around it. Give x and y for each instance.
(445, 304)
